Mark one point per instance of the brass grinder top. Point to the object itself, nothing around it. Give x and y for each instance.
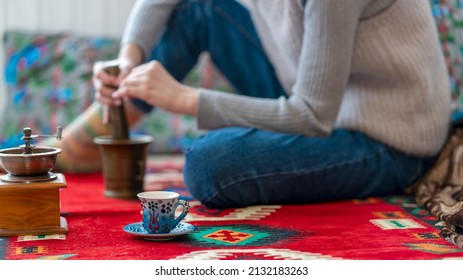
(28, 163)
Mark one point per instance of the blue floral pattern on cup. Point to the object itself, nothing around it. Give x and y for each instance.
(158, 215)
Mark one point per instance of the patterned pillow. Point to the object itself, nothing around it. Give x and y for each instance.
(48, 79)
(448, 15)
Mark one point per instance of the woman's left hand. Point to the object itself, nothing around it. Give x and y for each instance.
(152, 83)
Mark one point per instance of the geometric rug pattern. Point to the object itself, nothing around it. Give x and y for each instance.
(250, 254)
(375, 228)
(240, 235)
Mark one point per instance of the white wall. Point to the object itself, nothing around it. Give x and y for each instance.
(85, 17)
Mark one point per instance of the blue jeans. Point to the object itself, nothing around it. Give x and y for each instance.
(235, 167)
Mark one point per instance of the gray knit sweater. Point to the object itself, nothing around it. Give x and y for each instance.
(373, 66)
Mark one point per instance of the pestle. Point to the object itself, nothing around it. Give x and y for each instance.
(117, 119)
(123, 158)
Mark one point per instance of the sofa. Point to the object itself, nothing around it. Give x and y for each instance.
(48, 78)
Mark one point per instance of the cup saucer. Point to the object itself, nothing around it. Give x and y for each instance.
(138, 230)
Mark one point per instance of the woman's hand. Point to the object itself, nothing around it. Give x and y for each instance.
(152, 83)
(105, 84)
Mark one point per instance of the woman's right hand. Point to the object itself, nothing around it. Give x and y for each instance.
(105, 84)
(130, 56)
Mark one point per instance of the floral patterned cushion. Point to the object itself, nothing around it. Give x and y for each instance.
(48, 79)
(448, 15)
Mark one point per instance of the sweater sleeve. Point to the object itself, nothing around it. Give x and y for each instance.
(322, 75)
(146, 22)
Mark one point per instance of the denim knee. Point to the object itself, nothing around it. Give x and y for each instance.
(215, 162)
(203, 170)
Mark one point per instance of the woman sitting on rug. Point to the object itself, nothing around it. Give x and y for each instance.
(336, 99)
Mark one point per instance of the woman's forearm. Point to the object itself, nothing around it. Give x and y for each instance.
(130, 55)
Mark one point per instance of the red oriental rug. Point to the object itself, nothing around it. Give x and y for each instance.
(386, 228)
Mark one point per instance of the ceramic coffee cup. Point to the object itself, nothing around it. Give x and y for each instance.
(158, 210)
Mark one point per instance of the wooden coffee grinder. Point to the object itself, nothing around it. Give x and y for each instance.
(29, 192)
